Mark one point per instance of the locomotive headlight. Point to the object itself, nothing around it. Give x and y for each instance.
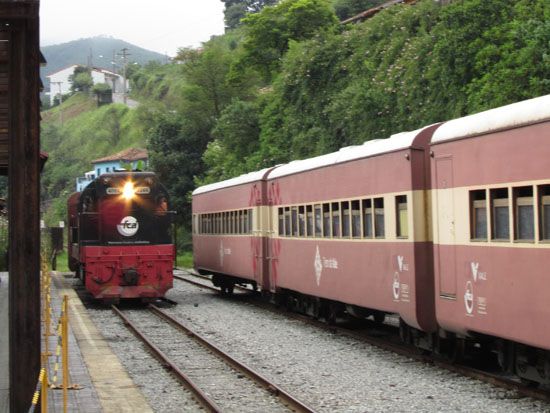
(128, 191)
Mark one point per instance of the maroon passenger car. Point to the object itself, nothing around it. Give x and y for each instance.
(351, 229)
(491, 203)
(229, 231)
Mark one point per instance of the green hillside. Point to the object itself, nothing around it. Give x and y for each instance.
(290, 82)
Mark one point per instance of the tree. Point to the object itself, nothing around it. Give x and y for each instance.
(269, 32)
(81, 79)
(345, 9)
(235, 10)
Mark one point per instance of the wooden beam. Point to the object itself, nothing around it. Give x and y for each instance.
(24, 235)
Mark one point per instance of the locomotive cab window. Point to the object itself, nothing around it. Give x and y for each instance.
(500, 224)
(524, 214)
(478, 215)
(402, 216)
(544, 193)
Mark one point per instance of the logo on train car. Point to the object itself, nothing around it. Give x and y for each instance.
(318, 266)
(469, 297)
(322, 262)
(396, 285)
(128, 226)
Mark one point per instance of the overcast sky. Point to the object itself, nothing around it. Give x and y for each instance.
(161, 25)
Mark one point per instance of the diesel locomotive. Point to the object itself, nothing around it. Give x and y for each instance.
(120, 237)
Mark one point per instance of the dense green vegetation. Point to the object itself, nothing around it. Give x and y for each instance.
(288, 81)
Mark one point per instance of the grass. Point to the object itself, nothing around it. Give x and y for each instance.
(185, 259)
(62, 264)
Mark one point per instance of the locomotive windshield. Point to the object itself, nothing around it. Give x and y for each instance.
(123, 209)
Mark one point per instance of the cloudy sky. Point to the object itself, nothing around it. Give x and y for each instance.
(161, 25)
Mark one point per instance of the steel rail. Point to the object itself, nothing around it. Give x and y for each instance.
(404, 350)
(202, 398)
(276, 390)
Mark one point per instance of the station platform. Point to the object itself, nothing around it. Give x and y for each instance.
(104, 385)
(4, 343)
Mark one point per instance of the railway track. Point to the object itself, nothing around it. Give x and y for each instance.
(217, 381)
(385, 342)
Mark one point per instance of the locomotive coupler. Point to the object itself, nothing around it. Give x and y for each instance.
(130, 276)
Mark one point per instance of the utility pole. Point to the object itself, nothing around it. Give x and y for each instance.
(124, 55)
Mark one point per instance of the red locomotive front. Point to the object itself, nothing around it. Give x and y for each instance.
(120, 236)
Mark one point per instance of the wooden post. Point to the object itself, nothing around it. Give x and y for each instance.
(24, 220)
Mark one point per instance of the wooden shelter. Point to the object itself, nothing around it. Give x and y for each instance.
(20, 160)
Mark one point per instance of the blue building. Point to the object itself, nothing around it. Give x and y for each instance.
(112, 163)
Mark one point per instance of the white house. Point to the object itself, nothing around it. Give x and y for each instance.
(60, 84)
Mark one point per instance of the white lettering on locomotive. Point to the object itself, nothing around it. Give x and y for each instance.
(128, 226)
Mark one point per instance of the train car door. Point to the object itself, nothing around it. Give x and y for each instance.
(445, 215)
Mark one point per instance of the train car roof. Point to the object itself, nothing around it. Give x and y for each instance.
(370, 148)
(241, 179)
(506, 117)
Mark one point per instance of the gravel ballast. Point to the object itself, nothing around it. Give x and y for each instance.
(329, 372)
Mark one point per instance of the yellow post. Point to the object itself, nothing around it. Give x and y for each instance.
(65, 349)
(44, 395)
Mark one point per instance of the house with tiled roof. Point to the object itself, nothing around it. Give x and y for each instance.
(134, 157)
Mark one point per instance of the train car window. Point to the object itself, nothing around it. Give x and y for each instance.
(241, 222)
(478, 215)
(281, 215)
(544, 194)
(294, 221)
(318, 221)
(524, 214)
(219, 223)
(335, 219)
(250, 221)
(355, 219)
(367, 218)
(287, 221)
(326, 221)
(379, 228)
(301, 221)
(402, 216)
(309, 221)
(500, 214)
(231, 220)
(245, 221)
(346, 217)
